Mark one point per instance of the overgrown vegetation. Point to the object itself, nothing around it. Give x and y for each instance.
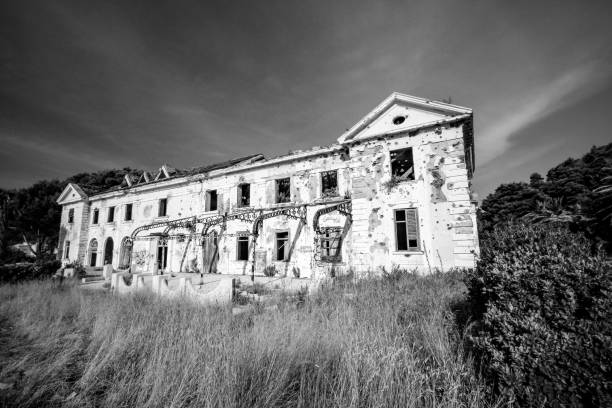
(17, 272)
(542, 302)
(378, 342)
(577, 192)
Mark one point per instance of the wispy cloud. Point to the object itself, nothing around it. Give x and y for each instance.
(528, 108)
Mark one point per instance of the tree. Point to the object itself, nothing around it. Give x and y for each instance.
(509, 202)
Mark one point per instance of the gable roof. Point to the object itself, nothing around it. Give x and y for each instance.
(433, 113)
(72, 193)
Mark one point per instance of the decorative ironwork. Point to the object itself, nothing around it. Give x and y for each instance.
(181, 222)
(343, 208)
(242, 215)
(299, 213)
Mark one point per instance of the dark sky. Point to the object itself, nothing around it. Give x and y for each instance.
(90, 85)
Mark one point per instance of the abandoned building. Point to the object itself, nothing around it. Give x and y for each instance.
(393, 191)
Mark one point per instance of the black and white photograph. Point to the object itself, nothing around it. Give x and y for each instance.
(283, 203)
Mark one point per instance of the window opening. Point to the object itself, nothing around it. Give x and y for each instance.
(402, 164)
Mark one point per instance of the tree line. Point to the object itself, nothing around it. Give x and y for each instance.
(577, 193)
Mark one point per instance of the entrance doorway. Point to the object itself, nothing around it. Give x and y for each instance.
(210, 253)
(93, 252)
(108, 252)
(162, 255)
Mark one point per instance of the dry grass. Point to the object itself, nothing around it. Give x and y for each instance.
(391, 342)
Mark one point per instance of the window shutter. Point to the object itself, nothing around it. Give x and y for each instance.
(412, 225)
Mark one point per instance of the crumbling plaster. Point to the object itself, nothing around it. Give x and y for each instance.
(440, 192)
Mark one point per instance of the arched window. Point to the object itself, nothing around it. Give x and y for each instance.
(125, 255)
(93, 252)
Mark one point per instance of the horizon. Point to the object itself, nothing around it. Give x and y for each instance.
(83, 89)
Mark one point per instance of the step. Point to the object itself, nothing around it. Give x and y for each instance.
(92, 278)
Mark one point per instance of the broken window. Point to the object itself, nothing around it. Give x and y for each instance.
(162, 209)
(282, 250)
(162, 254)
(329, 184)
(211, 200)
(96, 213)
(407, 229)
(71, 216)
(402, 164)
(111, 214)
(283, 190)
(244, 195)
(242, 250)
(331, 245)
(128, 212)
(66, 249)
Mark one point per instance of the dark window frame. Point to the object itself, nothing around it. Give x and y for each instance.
(71, 216)
(402, 226)
(284, 198)
(285, 246)
(95, 219)
(128, 212)
(329, 191)
(209, 200)
(402, 168)
(244, 200)
(110, 214)
(242, 238)
(66, 249)
(325, 238)
(162, 207)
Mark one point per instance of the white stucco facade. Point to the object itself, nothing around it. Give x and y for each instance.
(399, 195)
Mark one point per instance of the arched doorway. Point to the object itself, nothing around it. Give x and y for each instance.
(108, 251)
(125, 254)
(93, 252)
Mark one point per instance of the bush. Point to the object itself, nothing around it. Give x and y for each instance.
(79, 269)
(270, 270)
(27, 271)
(543, 309)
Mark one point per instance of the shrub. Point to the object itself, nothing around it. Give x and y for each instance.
(79, 269)
(27, 271)
(270, 270)
(542, 302)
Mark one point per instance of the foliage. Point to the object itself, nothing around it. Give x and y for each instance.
(32, 215)
(542, 301)
(270, 270)
(10, 273)
(509, 202)
(386, 345)
(576, 192)
(79, 269)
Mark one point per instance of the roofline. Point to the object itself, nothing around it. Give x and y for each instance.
(177, 180)
(410, 129)
(400, 97)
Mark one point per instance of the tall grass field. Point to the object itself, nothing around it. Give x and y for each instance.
(388, 341)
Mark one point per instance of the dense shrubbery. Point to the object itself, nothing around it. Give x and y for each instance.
(27, 271)
(543, 309)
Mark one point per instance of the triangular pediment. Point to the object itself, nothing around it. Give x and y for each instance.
(400, 113)
(71, 194)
